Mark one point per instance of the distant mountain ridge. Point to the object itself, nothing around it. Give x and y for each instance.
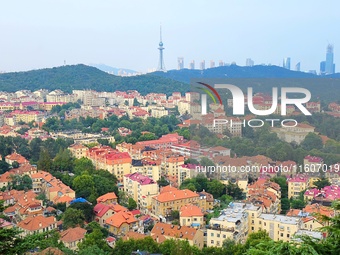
(113, 70)
(261, 78)
(234, 71)
(68, 78)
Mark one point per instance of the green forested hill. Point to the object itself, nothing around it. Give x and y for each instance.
(68, 78)
(261, 78)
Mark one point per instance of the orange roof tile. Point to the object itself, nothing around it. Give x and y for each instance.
(36, 223)
(72, 234)
(175, 195)
(107, 196)
(119, 218)
(190, 210)
(169, 230)
(51, 251)
(133, 235)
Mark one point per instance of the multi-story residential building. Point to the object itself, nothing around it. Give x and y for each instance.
(296, 185)
(148, 167)
(38, 224)
(191, 216)
(60, 96)
(166, 202)
(78, 150)
(165, 142)
(22, 205)
(326, 195)
(159, 112)
(186, 171)
(117, 163)
(162, 231)
(82, 138)
(53, 188)
(72, 237)
(266, 194)
(293, 134)
(279, 227)
(141, 188)
(47, 106)
(24, 116)
(171, 164)
(231, 224)
(313, 164)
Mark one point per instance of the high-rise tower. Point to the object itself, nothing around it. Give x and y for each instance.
(161, 66)
(329, 65)
(286, 63)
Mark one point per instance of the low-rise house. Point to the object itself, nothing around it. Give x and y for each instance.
(108, 198)
(195, 237)
(191, 216)
(38, 224)
(102, 212)
(5, 179)
(166, 202)
(15, 157)
(121, 222)
(72, 236)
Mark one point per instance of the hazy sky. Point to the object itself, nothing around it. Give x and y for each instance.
(43, 33)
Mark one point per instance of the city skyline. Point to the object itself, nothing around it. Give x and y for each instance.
(43, 34)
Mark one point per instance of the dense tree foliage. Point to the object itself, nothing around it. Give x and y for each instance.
(73, 218)
(200, 183)
(68, 78)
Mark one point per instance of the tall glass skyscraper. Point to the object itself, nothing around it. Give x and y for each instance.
(286, 63)
(329, 65)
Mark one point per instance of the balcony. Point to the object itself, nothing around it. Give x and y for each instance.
(218, 228)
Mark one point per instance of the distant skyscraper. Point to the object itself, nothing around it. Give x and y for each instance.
(330, 66)
(286, 63)
(212, 63)
(298, 67)
(161, 66)
(192, 65)
(322, 67)
(220, 63)
(180, 63)
(249, 62)
(202, 65)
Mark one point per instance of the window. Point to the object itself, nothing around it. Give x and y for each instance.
(218, 235)
(212, 241)
(212, 234)
(281, 234)
(252, 228)
(288, 235)
(224, 236)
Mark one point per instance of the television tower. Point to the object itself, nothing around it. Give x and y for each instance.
(161, 66)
